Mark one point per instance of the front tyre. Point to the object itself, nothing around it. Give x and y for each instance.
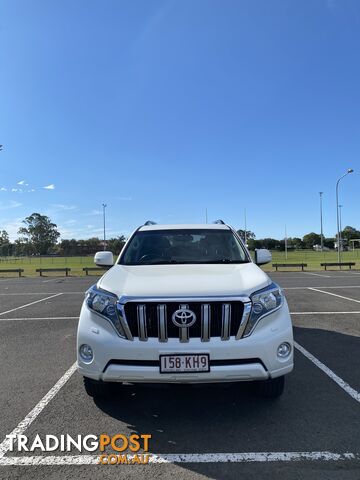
(94, 388)
(271, 388)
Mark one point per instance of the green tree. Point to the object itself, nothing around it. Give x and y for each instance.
(350, 233)
(5, 245)
(39, 232)
(249, 235)
(311, 239)
(116, 244)
(269, 243)
(4, 237)
(297, 243)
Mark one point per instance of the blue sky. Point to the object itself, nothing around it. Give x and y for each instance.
(162, 109)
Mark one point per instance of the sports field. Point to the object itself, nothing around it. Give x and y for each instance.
(30, 264)
(312, 258)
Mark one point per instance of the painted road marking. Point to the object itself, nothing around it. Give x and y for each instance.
(317, 274)
(345, 386)
(246, 457)
(42, 318)
(325, 286)
(318, 313)
(50, 293)
(35, 412)
(32, 303)
(333, 294)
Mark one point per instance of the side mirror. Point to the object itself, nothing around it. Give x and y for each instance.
(104, 259)
(262, 256)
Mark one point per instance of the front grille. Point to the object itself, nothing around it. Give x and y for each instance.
(213, 319)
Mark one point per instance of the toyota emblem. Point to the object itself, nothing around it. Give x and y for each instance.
(183, 318)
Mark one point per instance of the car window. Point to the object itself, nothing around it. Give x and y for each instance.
(183, 246)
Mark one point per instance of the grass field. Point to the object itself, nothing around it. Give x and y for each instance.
(30, 264)
(312, 258)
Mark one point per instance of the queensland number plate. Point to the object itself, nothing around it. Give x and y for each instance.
(184, 363)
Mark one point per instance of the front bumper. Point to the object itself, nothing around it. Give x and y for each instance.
(255, 357)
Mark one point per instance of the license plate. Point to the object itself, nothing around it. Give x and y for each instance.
(184, 363)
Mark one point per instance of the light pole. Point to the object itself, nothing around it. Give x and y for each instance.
(104, 206)
(321, 222)
(350, 170)
(340, 217)
(245, 227)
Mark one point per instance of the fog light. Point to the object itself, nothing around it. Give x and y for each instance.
(86, 353)
(284, 350)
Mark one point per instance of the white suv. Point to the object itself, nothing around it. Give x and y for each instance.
(185, 304)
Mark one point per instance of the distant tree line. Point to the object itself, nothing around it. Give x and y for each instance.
(39, 236)
(308, 241)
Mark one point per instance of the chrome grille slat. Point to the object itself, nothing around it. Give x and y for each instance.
(205, 322)
(183, 332)
(141, 318)
(226, 319)
(124, 323)
(244, 320)
(162, 323)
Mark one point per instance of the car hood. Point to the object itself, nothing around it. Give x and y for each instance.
(184, 280)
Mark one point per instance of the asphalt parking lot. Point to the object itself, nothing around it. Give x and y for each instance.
(219, 432)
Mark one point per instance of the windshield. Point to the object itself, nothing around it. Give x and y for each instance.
(158, 247)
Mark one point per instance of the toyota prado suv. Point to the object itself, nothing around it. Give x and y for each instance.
(185, 304)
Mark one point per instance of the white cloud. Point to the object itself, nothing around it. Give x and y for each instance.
(3, 189)
(21, 182)
(50, 187)
(95, 212)
(60, 206)
(12, 227)
(7, 205)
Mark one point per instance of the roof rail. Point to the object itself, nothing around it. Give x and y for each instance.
(219, 222)
(149, 222)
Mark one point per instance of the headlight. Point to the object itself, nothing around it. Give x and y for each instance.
(264, 302)
(105, 304)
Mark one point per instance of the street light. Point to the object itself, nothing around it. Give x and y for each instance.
(245, 227)
(350, 170)
(104, 206)
(321, 222)
(340, 217)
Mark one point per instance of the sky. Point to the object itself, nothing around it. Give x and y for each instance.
(165, 108)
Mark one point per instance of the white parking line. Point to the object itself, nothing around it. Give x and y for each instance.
(31, 416)
(317, 274)
(45, 293)
(246, 457)
(345, 386)
(39, 318)
(319, 313)
(32, 293)
(333, 294)
(323, 286)
(29, 304)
